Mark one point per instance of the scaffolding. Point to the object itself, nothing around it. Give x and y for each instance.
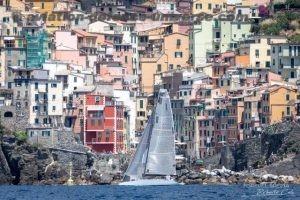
(36, 49)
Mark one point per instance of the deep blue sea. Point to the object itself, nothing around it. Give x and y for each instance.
(186, 192)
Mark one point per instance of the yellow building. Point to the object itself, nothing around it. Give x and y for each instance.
(278, 102)
(17, 5)
(42, 6)
(209, 6)
(55, 11)
(174, 54)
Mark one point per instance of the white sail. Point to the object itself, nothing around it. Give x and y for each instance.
(161, 153)
(137, 165)
(155, 154)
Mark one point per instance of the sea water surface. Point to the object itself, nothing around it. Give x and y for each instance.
(185, 192)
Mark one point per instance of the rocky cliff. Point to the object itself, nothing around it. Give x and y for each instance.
(27, 164)
(273, 145)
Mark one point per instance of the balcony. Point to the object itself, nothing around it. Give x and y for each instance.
(216, 27)
(186, 138)
(99, 140)
(216, 10)
(42, 101)
(113, 103)
(87, 45)
(44, 113)
(217, 40)
(284, 53)
(42, 90)
(70, 106)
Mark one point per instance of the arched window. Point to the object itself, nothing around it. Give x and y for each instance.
(8, 114)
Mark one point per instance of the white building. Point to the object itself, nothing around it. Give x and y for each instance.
(130, 105)
(46, 103)
(286, 60)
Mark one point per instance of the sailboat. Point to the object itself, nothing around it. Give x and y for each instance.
(154, 160)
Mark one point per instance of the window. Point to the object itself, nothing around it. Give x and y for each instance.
(209, 6)
(171, 66)
(36, 120)
(268, 64)
(292, 74)
(141, 103)
(54, 85)
(257, 52)
(239, 26)
(97, 99)
(172, 6)
(287, 97)
(53, 108)
(178, 54)
(8, 65)
(92, 122)
(36, 97)
(288, 111)
(126, 59)
(46, 133)
(178, 42)
(268, 52)
(76, 21)
(53, 97)
(199, 6)
(99, 122)
(158, 68)
(75, 79)
(107, 134)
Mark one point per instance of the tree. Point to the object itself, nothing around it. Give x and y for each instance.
(21, 136)
(295, 38)
(293, 3)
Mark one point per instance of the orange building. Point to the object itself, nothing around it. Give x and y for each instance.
(242, 60)
(103, 124)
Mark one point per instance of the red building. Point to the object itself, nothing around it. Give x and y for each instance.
(103, 124)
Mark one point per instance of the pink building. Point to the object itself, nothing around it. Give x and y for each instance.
(66, 48)
(123, 54)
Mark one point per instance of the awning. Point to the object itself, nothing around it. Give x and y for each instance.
(9, 38)
(199, 162)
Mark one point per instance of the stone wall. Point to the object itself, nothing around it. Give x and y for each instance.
(35, 136)
(19, 119)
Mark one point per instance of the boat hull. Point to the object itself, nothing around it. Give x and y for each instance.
(150, 182)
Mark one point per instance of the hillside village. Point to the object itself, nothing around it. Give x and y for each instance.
(227, 79)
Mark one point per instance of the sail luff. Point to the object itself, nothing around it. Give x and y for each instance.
(161, 152)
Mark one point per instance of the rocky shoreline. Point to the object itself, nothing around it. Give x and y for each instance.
(25, 164)
(226, 176)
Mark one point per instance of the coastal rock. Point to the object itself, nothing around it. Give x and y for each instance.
(27, 164)
(232, 180)
(5, 175)
(184, 171)
(269, 177)
(106, 179)
(192, 182)
(195, 175)
(290, 179)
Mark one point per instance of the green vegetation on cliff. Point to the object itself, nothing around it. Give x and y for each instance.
(287, 23)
